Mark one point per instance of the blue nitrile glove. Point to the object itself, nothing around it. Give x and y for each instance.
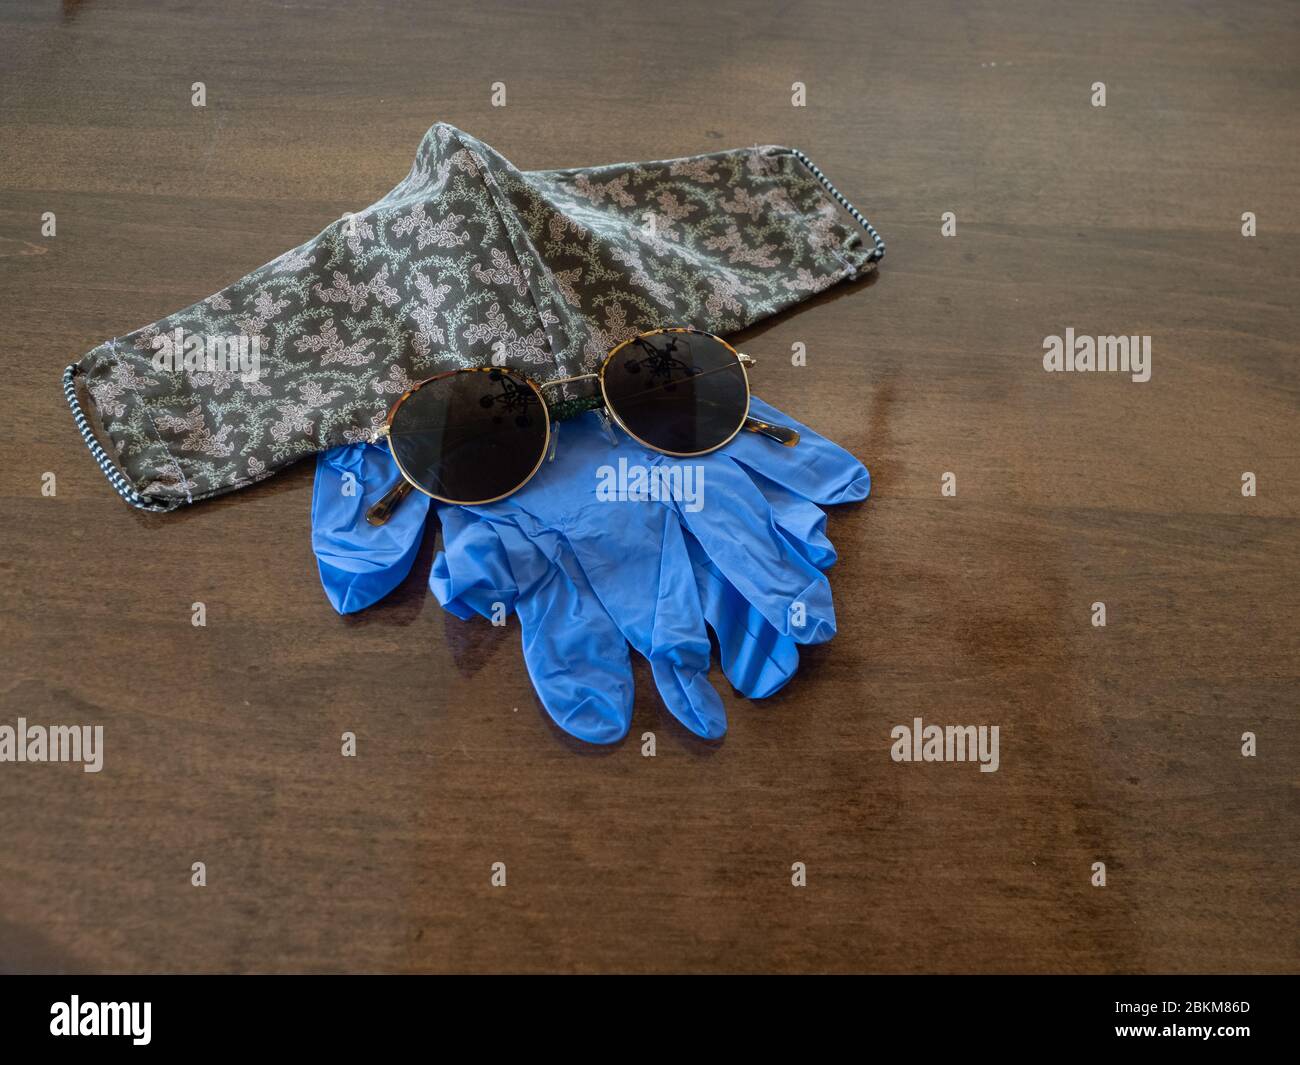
(360, 564)
(585, 575)
(578, 613)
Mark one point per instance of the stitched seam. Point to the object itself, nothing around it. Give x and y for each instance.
(185, 481)
(536, 282)
(838, 197)
(794, 215)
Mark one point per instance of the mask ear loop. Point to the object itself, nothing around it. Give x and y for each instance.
(115, 478)
(878, 252)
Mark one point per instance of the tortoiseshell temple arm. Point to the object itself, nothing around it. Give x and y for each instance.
(780, 433)
(380, 512)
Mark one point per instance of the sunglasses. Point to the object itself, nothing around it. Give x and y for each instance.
(478, 435)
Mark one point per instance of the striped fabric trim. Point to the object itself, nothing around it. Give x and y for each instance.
(120, 484)
(879, 252)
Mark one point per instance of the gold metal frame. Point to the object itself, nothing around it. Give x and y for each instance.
(381, 511)
(609, 407)
(387, 432)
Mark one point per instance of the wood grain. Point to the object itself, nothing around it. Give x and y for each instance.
(1119, 744)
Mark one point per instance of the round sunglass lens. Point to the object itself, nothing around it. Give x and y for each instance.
(470, 436)
(684, 393)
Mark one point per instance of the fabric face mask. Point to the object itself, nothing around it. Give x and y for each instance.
(468, 262)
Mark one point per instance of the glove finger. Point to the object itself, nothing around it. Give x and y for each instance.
(360, 563)
(739, 532)
(815, 468)
(651, 594)
(802, 521)
(472, 574)
(576, 656)
(679, 647)
(756, 658)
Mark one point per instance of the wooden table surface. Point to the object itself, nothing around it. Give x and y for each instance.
(1120, 745)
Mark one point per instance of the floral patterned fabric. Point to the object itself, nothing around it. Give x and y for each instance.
(466, 260)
